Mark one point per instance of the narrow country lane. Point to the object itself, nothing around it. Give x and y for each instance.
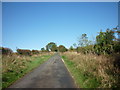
(51, 74)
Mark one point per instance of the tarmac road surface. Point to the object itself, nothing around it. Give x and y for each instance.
(51, 74)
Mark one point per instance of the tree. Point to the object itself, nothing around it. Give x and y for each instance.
(54, 48)
(84, 45)
(117, 30)
(75, 45)
(49, 46)
(62, 48)
(105, 38)
(104, 42)
(83, 41)
(42, 49)
(71, 48)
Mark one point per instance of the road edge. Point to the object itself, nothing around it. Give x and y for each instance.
(25, 74)
(70, 73)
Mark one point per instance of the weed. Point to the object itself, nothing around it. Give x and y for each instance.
(14, 67)
(92, 71)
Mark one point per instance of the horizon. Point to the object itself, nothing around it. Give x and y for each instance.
(31, 25)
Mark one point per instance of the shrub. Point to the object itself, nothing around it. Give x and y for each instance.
(24, 52)
(62, 48)
(116, 47)
(54, 48)
(6, 51)
(105, 69)
(104, 42)
(86, 49)
(35, 52)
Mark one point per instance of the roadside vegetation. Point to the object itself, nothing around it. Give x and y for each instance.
(16, 65)
(92, 71)
(95, 64)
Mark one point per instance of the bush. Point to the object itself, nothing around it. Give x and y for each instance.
(104, 42)
(35, 52)
(62, 48)
(24, 52)
(86, 49)
(86, 68)
(6, 51)
(116, 47)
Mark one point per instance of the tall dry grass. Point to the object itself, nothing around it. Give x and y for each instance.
(15, 66)
(13, 62)
(19, 62)
(102, 67)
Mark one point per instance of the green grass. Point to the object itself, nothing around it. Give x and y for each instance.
(11, 76)
(82, 79)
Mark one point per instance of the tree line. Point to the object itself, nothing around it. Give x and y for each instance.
(54, 48)
(106, 43)
(8, 51)
(50, 47)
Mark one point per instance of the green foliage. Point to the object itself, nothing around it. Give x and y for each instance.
(116, 47)
(104, 42)
(75, 45)
(86, 49)
(105, 38)
(15, 68)
(62, 48)
(49, 46)
(84, 45)
(43, 49)
(71, 48)
(83, 40)
(54, 48)
(83, 78)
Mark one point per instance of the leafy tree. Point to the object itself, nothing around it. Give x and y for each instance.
(49, 46)
(105, 38)
(86, 49)
(84, 45)
(75, 45)
(42, 49)
(62, 48)
(116, 46)
(104, 42)
(71, 48)
(83, 40)
(117, 30)
(54, 48)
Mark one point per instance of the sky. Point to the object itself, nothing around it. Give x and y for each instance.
(32, 25)
(60, 0)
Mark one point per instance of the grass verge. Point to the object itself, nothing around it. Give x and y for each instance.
(83, 79)
(93, 71)
(14, 68)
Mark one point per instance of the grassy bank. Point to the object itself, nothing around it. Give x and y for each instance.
(14, 67)
(92, 71)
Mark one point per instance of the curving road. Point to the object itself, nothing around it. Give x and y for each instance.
(51, 74)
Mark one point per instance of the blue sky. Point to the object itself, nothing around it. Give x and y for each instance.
(32, 25)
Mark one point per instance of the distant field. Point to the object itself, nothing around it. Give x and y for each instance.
(14, 67)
